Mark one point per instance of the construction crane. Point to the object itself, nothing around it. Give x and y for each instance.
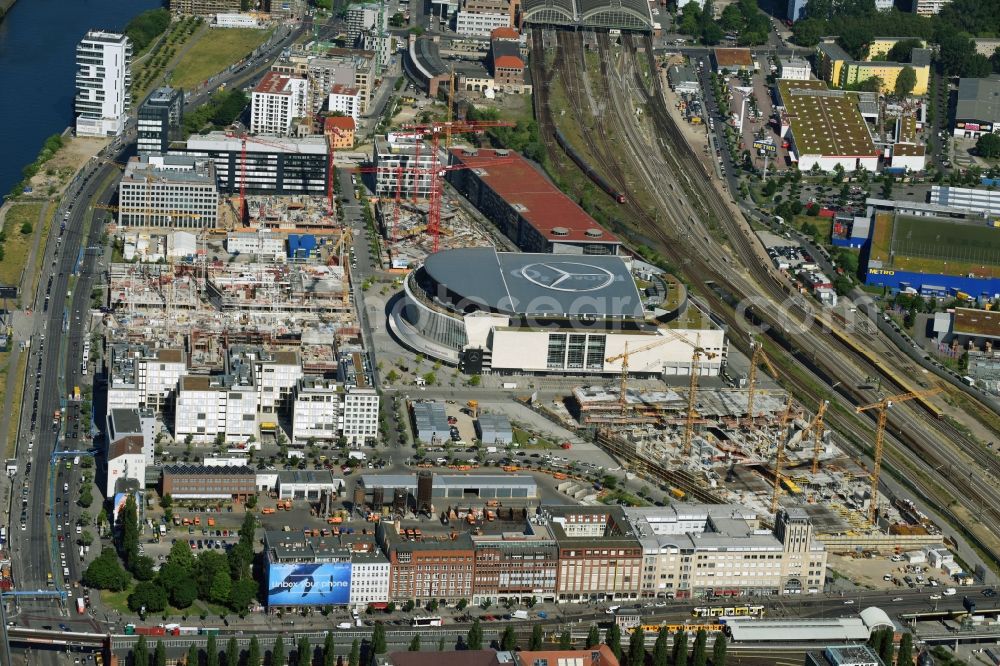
(243, 137)
(883, 406)
(435, 130)
(816, 427)
(779, 454)
(692, 388)
(756, 359)
(340, 249)
(624, 357)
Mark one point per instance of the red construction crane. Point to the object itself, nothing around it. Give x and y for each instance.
(243, 163)
(435, 130)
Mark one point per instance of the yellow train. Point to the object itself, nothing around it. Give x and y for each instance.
(745, 610)
(674, 628)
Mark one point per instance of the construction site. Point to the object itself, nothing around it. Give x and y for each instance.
(754, 446)
(406, 242)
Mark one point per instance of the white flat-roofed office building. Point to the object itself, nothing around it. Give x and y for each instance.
(316, 410)
(325, 410)
(275, 165)
(359, 419)
(217, 405)
(307, 484)
(480, 24)
(262, 243)
(796, 68)
(274, 374)
(139, 376)
(168, 191)
(103, 82)
(457, 486)
(723, 550)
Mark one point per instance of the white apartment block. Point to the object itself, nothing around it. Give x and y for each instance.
(168, 191)
(103, 82)
(208, 406)
(795, 68)
(362, 18)
(476, 24)
(359, 420)
(276, 101)
(929, 7)
(223, 20)
(369, 578)
(325, 410)
(693, 550)
(403, 164)
(262, 243)
(274, 374)
(346, 100)
(142, 377)
(349, 68)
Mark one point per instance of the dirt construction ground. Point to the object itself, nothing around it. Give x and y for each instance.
(869, 572)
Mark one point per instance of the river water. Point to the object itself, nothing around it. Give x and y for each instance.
(38, 41)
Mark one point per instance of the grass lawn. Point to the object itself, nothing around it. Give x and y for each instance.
(523, 439)
(214, 52)
(15, 405)
(940, 246)
(119, 602)
(882, 237)
(17, 245)
(36, 271)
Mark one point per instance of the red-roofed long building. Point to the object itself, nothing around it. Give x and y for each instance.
(526, 206)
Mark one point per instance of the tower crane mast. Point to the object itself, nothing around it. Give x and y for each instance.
(882, 407)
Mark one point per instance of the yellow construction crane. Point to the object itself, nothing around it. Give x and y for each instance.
(693, 391)
(883, 406)
(693, 388)
(623, 357)
(779, 453)
(816, 427)
(340, 249)
(756, 359)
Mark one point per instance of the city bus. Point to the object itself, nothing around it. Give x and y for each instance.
(426, 622)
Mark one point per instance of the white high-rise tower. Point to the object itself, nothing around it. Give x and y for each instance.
(103, 79)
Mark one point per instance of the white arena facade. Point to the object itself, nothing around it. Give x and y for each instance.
(546, 314)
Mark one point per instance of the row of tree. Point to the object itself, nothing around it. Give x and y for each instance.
(857, 22)
(212, 576)
(304, 654)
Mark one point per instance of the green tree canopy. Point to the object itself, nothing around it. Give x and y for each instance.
(905, 81)
(988, 146)
(148, 595)
(593, 637)
(106, 572)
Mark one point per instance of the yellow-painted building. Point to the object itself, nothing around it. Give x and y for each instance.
(856, 72)
(881, 46)
(831, 59)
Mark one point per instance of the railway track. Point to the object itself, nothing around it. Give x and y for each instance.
(701, 264)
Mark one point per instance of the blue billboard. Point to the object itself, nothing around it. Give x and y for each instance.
(309, 584)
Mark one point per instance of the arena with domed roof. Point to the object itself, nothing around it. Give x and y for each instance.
(505, 312)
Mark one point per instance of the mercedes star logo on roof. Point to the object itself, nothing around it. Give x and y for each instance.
(568, 276)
